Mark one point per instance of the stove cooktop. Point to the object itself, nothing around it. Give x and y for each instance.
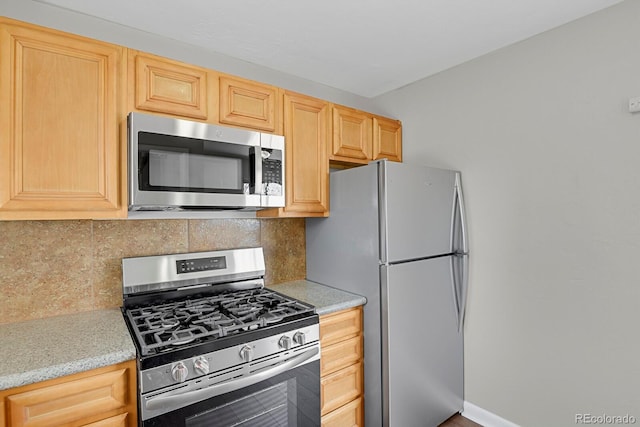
(168, 326)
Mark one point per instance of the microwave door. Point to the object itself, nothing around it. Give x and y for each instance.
(185, 181)
(171, 167)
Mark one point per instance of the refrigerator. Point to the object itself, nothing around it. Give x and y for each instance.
(397, 235)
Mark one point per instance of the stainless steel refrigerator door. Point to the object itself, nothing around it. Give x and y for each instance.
(417, 206)
(422, 345)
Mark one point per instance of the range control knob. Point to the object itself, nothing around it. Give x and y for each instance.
(179, 372)
(201, 365)
(299, 338)
(246, 353)
(285, 342)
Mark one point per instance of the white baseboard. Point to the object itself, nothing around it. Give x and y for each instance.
(484, 417)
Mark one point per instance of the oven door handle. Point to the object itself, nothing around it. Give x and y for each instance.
(187, 398)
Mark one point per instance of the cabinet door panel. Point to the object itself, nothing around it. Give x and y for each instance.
(306, 133)
(117, 421)
(350, 415)
(341, 387)
(248, 104)
(352, 138)
(69, 401)
(387, 139)
(339, 355)
(306, 129)
(338, 326)
(59, 139)
(167, 86)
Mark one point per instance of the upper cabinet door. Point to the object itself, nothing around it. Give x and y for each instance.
(60, 111)
(352, 137)
(249, 104)
(166, 86)
(387, 139)
(306, 132)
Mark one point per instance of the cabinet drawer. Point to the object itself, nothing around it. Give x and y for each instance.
(350, 415)
(340, 355)
(341, 387)
(339, 326)
(70, 401)
(117, 421)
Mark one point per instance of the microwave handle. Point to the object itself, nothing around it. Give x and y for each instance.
(257, 170)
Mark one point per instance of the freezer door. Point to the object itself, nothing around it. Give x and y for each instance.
(417, 206)
(422, 344)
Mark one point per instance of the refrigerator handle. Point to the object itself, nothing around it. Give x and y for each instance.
(464, 286)
(460, 260)
(455, 279)
(461, 216)
(460, 279)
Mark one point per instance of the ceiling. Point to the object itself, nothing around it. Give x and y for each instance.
(366, 47)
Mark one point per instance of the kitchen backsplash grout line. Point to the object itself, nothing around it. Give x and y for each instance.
(92, 265)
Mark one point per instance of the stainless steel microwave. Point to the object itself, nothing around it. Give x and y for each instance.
(179, 164)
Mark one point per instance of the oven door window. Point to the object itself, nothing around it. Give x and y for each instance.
(290, 399)
(272, 406)
(172, 163)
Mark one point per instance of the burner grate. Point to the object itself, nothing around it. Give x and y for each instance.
(163, 327)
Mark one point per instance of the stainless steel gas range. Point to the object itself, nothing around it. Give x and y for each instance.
(216, 348)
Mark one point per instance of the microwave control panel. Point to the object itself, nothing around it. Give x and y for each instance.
(272, 171)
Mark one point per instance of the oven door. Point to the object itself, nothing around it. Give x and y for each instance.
(283, 396)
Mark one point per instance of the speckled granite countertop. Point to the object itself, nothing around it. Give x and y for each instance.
(325, 298)
(41, 349)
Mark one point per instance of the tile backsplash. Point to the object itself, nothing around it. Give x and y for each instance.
(48, 268)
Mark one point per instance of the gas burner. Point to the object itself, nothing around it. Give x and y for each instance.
(161, 327)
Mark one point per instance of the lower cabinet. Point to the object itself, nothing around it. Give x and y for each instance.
(104, 397)
(347, 415)
(341, 368)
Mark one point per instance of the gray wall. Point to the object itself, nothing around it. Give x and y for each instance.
(550, 161)
(72, 22)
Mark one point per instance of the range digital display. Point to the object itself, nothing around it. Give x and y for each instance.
(201, 264)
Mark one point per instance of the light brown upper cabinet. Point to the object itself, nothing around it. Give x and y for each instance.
(162, 85)
(352, 136)
(387, 139)
(61, 105)
(306, 131)
(360, 137)
(249, 104)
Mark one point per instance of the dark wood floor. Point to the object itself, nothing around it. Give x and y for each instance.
(459, 421)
